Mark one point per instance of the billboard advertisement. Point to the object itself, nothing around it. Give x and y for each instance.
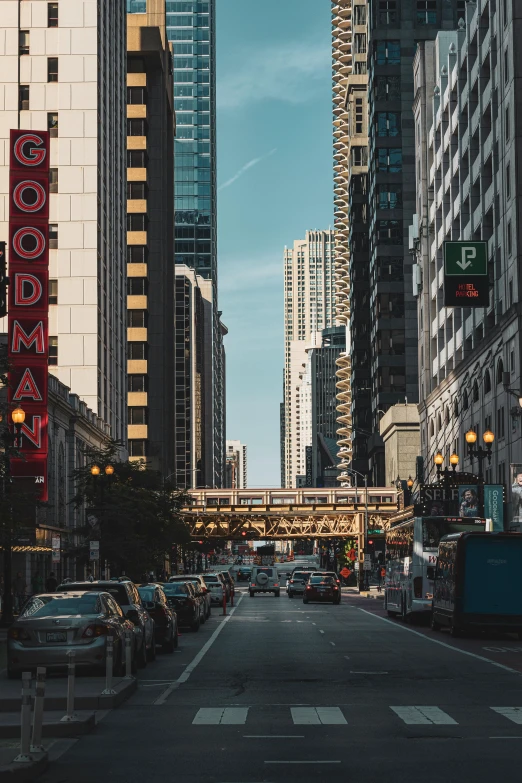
(469, 505)
(516, 496)
(28, 313)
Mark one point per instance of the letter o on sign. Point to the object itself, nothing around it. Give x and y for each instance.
(35, 238)
(29, 196)
(32, 156)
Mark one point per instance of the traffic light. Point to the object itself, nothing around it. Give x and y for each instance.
(3, 281)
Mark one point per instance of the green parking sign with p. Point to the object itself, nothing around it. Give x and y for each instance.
(465, 258)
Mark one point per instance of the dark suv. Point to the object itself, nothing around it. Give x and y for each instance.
(127, 596)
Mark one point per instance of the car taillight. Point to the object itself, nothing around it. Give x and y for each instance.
(308, 587)
(291, 581)
(335, 588)
(253, 584)
(338, 581)
(417, 587)
(92, 631)
(276, 584)
(17, 633)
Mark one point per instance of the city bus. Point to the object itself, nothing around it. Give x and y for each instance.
(411, 557)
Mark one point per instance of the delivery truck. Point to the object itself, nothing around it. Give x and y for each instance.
(478, 583)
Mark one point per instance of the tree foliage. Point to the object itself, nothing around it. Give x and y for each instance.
(133, 512)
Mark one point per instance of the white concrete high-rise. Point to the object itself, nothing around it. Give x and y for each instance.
(309, 304)
(236, 473)
(63, 67)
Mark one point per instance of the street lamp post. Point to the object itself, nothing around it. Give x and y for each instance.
(18, 418)
(480, 453)
(363, 579)
(96, 471)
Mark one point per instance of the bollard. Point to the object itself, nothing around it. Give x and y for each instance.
(224, 602)
(25, 737)
(108, 669)
(36, 744)
(128, 656)
(71, 671)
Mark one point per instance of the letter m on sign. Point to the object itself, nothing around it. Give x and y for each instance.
(19, 338)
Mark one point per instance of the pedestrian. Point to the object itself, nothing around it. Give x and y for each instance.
(89, 577)
(51, 583)
(37, 583)
(19, 591)
(381, 577)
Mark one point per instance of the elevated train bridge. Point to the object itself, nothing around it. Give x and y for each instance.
(289, 513)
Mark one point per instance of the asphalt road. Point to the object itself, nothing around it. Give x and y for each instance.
(281, 692)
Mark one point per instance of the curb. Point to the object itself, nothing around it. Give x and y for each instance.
(21, 772)
(53, 727)
(124, 689)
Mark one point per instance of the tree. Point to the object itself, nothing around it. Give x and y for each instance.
(131, 510)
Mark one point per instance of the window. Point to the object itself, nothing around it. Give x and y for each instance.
(136, 159)
(52, 124)
(24, 41)
(53, 181)
(136, 127)
(137, 351)
(465, 400)
(509, 239)
(475, 392)
(389, 196)
(53, 351)
(388, 52)
(388, 123)
(53, 292)
(487, 382)
(137, 286)
(456, 410)
(388, 88)
(136, 95)
(507, 128)
(359, 156)
(137, 415)
(501, 424)
(137, 222)
(138, 448)
(53, 236)
(389, 160)
(358, 115)
(426, 11)
(500, 372)
(359, 12)
(136, 254)
(136, 190)
(52, 69)
(387, 11)
(52, 14)
(23, 97)
(508, 181)
(389, 232)
(137, 319)
(506, 66)
(137, 383)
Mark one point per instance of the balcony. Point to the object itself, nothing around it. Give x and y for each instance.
(136, 334)
(136, 142)
(137, 270)
(138, 431)
(137, 206)
(137, 399)
(137, 366)
(136, 237)
(136, 111)
(136, 175)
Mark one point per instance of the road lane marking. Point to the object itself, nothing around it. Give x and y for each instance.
(512, 737)
(273, 736)
(197, 659)
(442, 644)
(513, 714)
(225, 716)
(416, 716)
(333, 644)
(321, 631)
(366, 672)
(317, 716)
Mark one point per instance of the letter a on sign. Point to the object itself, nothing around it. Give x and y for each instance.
(27, 388)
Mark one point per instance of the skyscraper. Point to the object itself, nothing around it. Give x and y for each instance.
(309, 307)
(150, 238)
(64, 70)
(236, 465)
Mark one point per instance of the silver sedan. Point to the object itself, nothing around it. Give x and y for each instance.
(52, 624)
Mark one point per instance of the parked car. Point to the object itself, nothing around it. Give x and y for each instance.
(243, 573)
(333, 574)
(201, 593)
(264, 579)
(297, 583)
(216, 586)
(127, 596)
(181, 596)
(321, 588)
(164, 616)
(52, 624)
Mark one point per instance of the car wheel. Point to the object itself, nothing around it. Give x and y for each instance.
(142, 655)
(434, 625)
(454, 630)
(290, 595)
(277, 593)
(203, 618)
(209, 610)
(175, 640)
(251, 593)
(151, 652)
(305, 600)
(134, 663)
(168, 646)
(195, 625)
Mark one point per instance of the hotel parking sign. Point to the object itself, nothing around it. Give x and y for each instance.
(466, 281)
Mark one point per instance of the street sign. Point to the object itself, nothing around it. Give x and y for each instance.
(356, 565)
(94, 550)
(55, 545)
(466, 281)
(367, 565)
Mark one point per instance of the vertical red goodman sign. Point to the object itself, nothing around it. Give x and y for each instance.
(28, 313)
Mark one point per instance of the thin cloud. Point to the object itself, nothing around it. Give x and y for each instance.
(244, 168)
(259, 273)
(294, 74)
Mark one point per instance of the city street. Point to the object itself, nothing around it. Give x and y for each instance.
(282, 691)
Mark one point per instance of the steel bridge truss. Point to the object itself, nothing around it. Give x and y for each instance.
(286, 525)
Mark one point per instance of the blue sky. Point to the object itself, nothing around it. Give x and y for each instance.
(275, 181)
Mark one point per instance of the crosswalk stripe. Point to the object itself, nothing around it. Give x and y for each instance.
(315, 716)
(423, 716)
(226, 716)
(513, 714)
